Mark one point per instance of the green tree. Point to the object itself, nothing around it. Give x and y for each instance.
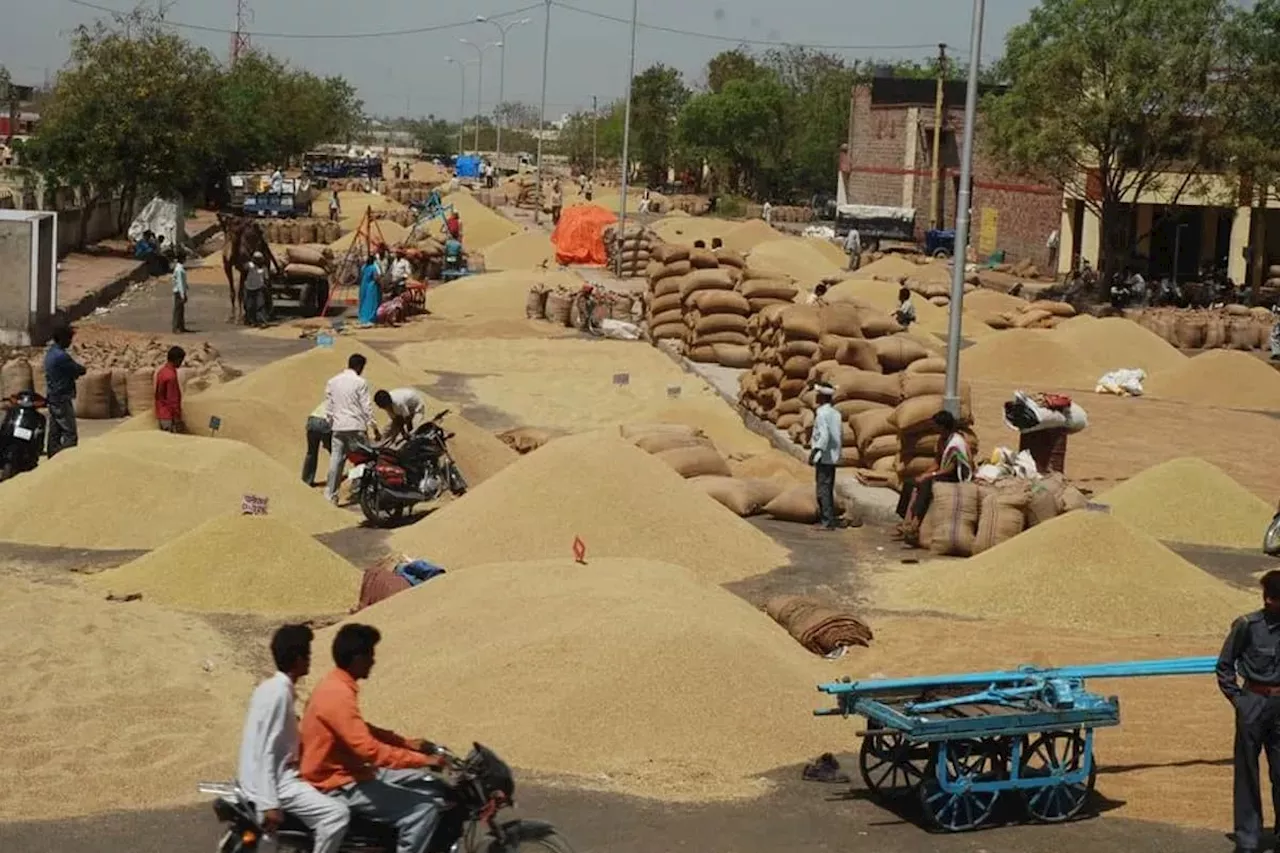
(736, 64)
(1108, 98)
(742, 131)
(657, 95)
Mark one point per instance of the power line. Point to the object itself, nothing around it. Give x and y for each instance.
(317, 36)
(738, 40)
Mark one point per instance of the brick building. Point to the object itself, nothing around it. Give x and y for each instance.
(890, 163)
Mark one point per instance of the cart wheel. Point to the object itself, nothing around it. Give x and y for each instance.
(891, 766)
(1051, 756)
(967, 761)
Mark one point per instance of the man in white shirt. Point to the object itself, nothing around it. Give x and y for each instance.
(179, 293)
(348, 407)
(403, 406)
(824, 454)
(255, 294)
(853, 248)
(766, 213)
(401, 269)
(277, 180)
(268, 772)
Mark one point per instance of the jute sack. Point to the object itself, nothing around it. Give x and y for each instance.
(920, 384)
(701, 353)
(848, 438)
(667, 331)
(695, 461)
(808, 349)
(535, 303)
(850, 408)
(791, 406)
(119, 392)
(878, 324)
(15, 376)
(860, 354)
(878, 448)
(841, 319)
(666, 302)
(730, 338)
(1240, 334)
(1263, 331)
(768, 288)
(313, 255)
(1189, 332)
(733, 355)
(653, 269)
(705, 279)
(709, 323)
(1030, 317)
(801, 322)
(872, 424)
(729, 258)
(741, 497)
(770, 375)
(671, 316)
(703, 259)
(1215, 333)
(786, 422)
(672, 270)
(955, 524)
(760, 304)
(305, 272)
(849, 458)
(798, 504)
(141, 390)
(559, 307)
(797, 367)
(670, 253)
(1071, 499)
(1236, 310)
(1001, 516)
(720, 302)
(660, 442)
(1044, 504)
(669, 286)
(914, 467)
(914, 413)
(829, 345)
(93, 395)
(928, 365)
(1057, 309)
(854, 384)
(896, 352)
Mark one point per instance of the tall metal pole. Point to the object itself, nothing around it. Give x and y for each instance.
(626, 138)
(502, 73)
(480, 87)
(935, 183)
(595, 115)
(462, 99)
(542, 123)
(951, 395)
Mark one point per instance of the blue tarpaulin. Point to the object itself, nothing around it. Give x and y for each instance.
(468, 166)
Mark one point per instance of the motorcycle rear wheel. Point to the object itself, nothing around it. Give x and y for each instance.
(1271, 539)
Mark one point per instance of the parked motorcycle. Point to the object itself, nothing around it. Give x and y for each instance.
(22, 434)
(482, 786)
(391, 480)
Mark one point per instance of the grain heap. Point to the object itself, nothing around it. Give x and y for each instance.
(495, 295)
(481, 226)
(186, 480)
(750, 234)
(636, 677)
(110, 707)
(1223, 378)
(383, 231)
(618, 499)
(1193, 501)
(833, 252)
(1121, 343)
(529, 250)
(686, 229)
(1041, 314)
(931, 320)
(794, 258)
(1030, 357)
(240, 564)
(1080, 571)
(1231, 327)
(628, 253)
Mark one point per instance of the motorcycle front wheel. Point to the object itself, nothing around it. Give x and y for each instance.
(1271, 539)
(371, 505)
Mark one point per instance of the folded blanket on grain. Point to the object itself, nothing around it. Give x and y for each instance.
(818, 627)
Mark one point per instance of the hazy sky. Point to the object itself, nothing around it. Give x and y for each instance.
(408, 73)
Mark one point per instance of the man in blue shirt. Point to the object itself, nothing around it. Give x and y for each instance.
(60, 374)
(824, 454)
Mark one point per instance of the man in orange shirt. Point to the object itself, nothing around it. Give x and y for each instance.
(364, 766)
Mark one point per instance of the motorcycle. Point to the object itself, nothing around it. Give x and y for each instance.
(1271, 537)
(482, 787)
(22, 434)
(390, 480)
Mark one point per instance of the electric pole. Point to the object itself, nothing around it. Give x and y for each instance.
(936, 204)
(240, 38)
(595, 113)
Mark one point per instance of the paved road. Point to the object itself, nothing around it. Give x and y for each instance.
(800, 818)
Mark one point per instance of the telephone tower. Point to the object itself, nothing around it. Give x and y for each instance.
(240, 38)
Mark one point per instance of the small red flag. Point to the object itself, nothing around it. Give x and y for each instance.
(579, 550)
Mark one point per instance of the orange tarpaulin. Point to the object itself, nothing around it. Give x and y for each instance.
(579, 237)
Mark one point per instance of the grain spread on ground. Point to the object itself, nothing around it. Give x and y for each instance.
(634, 676)
(498, 295)
(749, 235)
(570, 384)
(1082, 571)
(1031, 357)
(110, 706)
(240, 564)
(521, 252)
(1226, 378)
(1193, 501)
(481, 226)
(620, 500)
(90, 497)
(1118, 343)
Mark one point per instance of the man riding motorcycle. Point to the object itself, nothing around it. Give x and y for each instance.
(364, 767)
(269, 750)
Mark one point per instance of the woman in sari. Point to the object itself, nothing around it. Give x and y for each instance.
(370, 296)
(954, 465)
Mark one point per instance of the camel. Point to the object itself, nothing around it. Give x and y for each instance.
(244, 238)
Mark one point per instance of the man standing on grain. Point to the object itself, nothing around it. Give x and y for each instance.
(60, 374)
(1250, 653)
(824, 454)
(348, 406)
(168, 403)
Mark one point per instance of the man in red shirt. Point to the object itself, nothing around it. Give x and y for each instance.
(169, 392)
(368, 768)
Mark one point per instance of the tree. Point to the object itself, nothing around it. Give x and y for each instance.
(657, 95)
(743, 130)
(1108, 97)
(734, 64)
(578, 143)
(515, 115)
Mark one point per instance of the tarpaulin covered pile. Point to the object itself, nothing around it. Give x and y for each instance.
(819, 628)
(468, 166)
(579, 237)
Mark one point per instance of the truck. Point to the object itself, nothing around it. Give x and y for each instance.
(251, 195)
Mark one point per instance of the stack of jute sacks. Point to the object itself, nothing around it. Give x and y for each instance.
(308, 262)
(968, 518)
(1230, 327)
(634, 250)
(1041, 314)
(289, 232)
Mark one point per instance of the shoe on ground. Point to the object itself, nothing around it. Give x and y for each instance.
(825, 768)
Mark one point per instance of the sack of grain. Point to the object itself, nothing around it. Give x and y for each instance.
(310, 255)
(665, 303)
(876, 324)
(1057, 309)
(871, 424)
(880, 447)
(535, 303)
(667, 331)
(728, 258)
(622, 307)
(787, 421)
(141, 390)
(703, 259)
(1031, 318)
(93, 395)
(559, 306)
(1045, 502)
(1236, 310)
(860, 354)
(707, 324)
(1001, 516)
(896, 352)
(1215, 333)
(1071, 499)
(525, 439)
(797, 367)
(695, 461)
(955, 524)
(670, 252)
(662, 441)
(1189, 331)
(914, 467)
(808, 349)
(673, 270)
(705, 279)
(923, 384)
(801, 322)
(119, 392)
(849, 408)
(742, 497)
(719, 302)
(733, 355)
(911, 415)
(1262, 331)
(928, 365)
(798, 504)
(842, 319)
(854, 384)
(1240, 334)
(15, 376)
(768, 288)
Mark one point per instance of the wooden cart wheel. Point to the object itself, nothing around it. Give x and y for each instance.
(967, 761)
(892, 766)
(1051, 756)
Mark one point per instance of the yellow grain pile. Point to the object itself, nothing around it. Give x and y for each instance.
(384, 230)
(1116, 342)
(930, 319)
(521, 252)
(1193, 501)
(566, 384)
(1029, 357)
(889, 268)
(986, 301)
(499, 295)
(715, 418)
(832, 252)
(770, 465)
(1081, 571)
(686, 229)
(634, 676)
(140, 489)
(1227, 378)
(240, 564)
(620, 500)
(481, 226)
(749, 235)
(294, 386)
(1068, 323)
(110, 706)
(794, 257)
(354, 204)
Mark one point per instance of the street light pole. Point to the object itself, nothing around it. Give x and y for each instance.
(462, 99)
(595, 114)
(951, 394)
(542, 121)
(502, 71)
(480, 85)
(626, 137)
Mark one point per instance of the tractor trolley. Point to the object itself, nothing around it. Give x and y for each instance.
(962, 743)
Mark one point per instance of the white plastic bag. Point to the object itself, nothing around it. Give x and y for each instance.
(1126, 382)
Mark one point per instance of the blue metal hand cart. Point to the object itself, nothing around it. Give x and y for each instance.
(958, 742)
